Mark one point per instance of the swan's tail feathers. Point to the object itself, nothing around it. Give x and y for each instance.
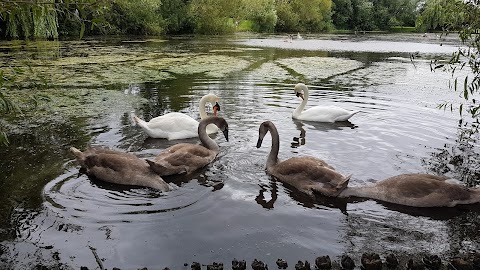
(137, 121)
(343, 185)
(78, 155)
(345, 117)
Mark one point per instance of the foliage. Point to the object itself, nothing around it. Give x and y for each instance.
(137, 17)
(463, 17)
(212, 16)
(374, 14)
(51, 18)
(303, 15)
(460, 159)
(262, 13)
(363, 15)
(439, 15)
(176, 16)
(28, 20)
(288, 20)
(84, 17)
(342, 12)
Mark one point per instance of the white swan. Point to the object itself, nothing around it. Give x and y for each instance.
(416, 190)
(118, 168)
(328, 114)
(307, 174)
(187, 157)
(174, 125)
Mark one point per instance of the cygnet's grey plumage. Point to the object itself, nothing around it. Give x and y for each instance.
(187, 157)
(417, 190)
(118, 168)
(307, 174)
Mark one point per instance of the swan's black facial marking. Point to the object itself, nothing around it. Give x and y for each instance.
(217, 106)
(298, 94)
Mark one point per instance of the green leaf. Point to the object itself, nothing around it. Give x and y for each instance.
(465, 89)
(4, 138)
(97, 21)
(82, 30)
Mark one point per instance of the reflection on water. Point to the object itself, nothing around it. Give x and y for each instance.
(325, 127)
(232, 209)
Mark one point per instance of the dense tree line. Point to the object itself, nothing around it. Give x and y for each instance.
(53, 18)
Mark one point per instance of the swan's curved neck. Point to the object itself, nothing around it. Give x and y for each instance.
(204, 138)
(302, 105)
(203, 102)
(272, 159)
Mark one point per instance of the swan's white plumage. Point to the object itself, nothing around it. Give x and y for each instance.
(175, 125)
(327, 114)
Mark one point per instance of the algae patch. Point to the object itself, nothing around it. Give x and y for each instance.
(271, 72)
(211, 65)
(99, 67)
(315, 68)
(301, 68)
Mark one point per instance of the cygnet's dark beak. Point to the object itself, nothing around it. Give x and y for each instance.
(259, 142)
(216, 108)
(225, 133)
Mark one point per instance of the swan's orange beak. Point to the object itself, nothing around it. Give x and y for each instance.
(216, 108)
(300, 95)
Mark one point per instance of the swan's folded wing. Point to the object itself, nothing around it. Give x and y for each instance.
(309, 174)
(182, 158)
(173, 122)
(326, 114)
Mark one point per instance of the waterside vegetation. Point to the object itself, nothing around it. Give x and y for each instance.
(51, 19)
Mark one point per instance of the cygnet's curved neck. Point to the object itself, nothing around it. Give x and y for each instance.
(204, 138)
(302, 105)
(272, 159)
(203, 102)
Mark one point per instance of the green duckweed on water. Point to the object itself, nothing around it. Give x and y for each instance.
(271, 72)
(78, 74)
(315, 68)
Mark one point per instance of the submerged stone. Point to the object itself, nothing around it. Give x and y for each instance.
(391, 260)
(371, 261)
(239, 265)
(282, 264)
(347, 262)
(323, 262)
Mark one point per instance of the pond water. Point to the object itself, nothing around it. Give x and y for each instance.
(53, 215)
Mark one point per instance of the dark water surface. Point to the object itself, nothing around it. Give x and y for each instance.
(232, 209)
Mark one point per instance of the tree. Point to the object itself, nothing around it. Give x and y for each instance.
(440, 14)
(262, 13)
(176, 16)
(138, 17)
(29, 20)
(363, 16)
(304, 15)
(464, 18)
(212, 16)
(342, 12)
